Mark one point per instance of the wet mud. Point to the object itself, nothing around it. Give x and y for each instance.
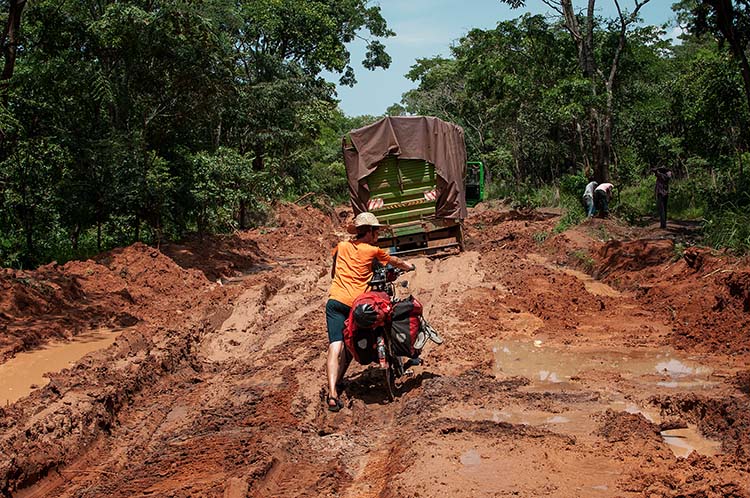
(572, 366)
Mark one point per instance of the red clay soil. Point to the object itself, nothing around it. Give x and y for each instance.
(567, 360)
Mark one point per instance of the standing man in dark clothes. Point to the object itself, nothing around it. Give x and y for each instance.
(663, 175)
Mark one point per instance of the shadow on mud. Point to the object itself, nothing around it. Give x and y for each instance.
(369, 385)
(218, 256)
(518, 215)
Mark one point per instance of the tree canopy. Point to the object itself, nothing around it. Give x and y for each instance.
(124, 120)
(144, 119)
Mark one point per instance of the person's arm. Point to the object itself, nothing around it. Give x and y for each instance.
(333, 266)
(401, 264)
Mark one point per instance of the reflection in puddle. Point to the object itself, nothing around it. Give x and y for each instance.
(551, 369)
(20, 375)
(542, 363)
(581, 422)
(685, 441)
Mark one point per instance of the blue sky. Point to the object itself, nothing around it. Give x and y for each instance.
(425, 28)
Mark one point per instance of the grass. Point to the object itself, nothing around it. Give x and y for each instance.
(730, 229)
(540, 237)
(583, 260)
(679, 251)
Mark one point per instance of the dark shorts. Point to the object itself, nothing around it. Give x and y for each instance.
(336, 315)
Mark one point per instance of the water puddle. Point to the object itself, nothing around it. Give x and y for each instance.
(552, 369)
(685, 441)
(581, 422)
(471, 458)
(541, 363)
(25, 372)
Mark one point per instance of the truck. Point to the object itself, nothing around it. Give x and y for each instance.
(410, 171)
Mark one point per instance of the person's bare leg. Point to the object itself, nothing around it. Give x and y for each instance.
(335, 355)
(344, 360)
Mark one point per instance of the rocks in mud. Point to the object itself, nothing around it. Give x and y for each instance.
(696, 257)
(624, 426)
(739, 287)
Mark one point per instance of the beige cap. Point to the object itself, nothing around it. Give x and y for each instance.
(363, 220)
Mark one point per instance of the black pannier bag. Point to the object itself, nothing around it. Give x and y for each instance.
(405, 323)
(364, 345)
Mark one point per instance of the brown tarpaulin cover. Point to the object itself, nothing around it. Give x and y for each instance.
(410, 137)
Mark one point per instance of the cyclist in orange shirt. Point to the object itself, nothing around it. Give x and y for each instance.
(351, 271)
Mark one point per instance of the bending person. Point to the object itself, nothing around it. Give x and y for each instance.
(602, 196)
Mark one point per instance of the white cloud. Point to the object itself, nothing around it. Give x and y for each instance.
(674, 35)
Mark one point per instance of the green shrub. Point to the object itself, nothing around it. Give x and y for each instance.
(573, 213)
(573, 184)
(330, 180)
(729, 225)
(636, 201)
(545, 196)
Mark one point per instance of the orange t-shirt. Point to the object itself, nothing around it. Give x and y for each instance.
(353, 269)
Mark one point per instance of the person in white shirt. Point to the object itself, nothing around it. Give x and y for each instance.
(588, 198)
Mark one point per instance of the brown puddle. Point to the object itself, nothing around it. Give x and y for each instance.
(551, 369)
(685, 441)
(580, 422)
(25, 372)
(539, 362)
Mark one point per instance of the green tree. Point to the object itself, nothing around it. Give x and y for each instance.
(600, 68)
(728, 21)
(281, 49)
(131, 92)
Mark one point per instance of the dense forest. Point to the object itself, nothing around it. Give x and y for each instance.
(125, 120)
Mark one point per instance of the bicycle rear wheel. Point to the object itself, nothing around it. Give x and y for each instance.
(390, 383)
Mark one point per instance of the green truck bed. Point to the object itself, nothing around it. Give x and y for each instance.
(402, 196)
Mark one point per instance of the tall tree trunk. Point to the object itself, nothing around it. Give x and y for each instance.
(74, 236)
(586, 163)
(600, 123)
(584, 41)
(258, 159)
(201, 222)
(10, 39)
(725, 17)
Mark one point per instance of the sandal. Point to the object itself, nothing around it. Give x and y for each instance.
(338, 405)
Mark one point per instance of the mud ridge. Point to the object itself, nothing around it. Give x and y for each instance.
(76, 413)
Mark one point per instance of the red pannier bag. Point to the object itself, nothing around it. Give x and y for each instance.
(369, 316)
(405, 323)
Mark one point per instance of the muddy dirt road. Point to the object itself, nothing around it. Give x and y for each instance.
(550, 382)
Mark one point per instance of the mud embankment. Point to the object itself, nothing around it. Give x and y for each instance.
(549, 383)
